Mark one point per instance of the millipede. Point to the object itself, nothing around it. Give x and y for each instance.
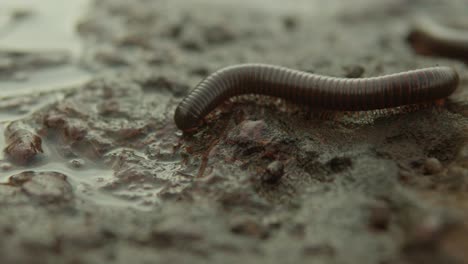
(316, 91)
(431, 38)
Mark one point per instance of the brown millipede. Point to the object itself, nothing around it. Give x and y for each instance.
(323, 92)
(428, 37)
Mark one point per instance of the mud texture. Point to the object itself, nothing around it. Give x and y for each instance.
(112, 180)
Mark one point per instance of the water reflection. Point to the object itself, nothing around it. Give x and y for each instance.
(39, 47)
(49, 25)
(37, 32)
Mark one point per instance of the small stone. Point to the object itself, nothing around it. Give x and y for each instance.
(274, 172)
(432, 166)
(23, 146)
(77, 163)
(354, 71)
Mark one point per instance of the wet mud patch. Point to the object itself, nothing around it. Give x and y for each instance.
(108, 137)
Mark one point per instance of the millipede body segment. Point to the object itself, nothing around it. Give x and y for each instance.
(431, 38)
(322, 92)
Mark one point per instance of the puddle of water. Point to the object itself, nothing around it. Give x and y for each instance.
(47, 26)
(51, 25)
(46, 81)
(87, 180)
(25, 106)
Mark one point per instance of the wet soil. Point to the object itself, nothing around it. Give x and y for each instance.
(95, 171)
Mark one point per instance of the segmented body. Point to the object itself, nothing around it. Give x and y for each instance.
(431, 38)
(322, 92)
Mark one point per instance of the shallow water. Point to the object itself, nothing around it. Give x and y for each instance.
(29, 26)
(88, 180)
(34, 27)
(47, 25)
(48, 80)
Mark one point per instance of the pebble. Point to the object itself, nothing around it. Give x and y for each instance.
(432, 166)
(274, 172)
(23, 146)
(77, 163)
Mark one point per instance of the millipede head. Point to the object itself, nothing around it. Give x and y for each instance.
(184, 119)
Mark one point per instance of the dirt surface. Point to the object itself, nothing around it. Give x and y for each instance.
(98, 173)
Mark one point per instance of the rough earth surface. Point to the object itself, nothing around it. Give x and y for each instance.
(100, 173)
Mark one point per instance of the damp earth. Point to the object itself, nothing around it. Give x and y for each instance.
(94, 170)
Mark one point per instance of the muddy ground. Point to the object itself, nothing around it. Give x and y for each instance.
(98, 172)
